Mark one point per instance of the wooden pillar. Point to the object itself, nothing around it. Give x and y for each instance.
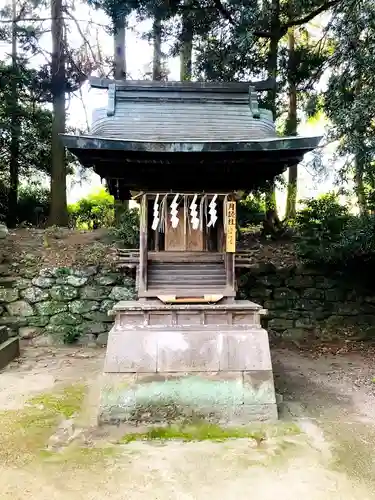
(230, 244)
(143, 251)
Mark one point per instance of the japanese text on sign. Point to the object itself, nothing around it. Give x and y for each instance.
(231, 227)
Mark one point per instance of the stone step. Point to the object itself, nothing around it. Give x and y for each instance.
(3, 334)
(9, 350)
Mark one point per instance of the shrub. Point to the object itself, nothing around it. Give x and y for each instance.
(33, 205)
(319, 225)
(127, 230)
(94, 211)
(250, 211)
(356, 244)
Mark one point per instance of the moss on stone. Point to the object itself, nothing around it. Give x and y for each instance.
(202, 431)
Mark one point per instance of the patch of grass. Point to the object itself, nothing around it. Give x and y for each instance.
(66, 403)
(25, 432)
(210, 432)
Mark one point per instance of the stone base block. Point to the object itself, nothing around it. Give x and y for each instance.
(231, 398)
(168, 363)
(9, 350)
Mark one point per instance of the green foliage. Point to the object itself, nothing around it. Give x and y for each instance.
(94, 211)
(127, 230)
(33, 204)
(319, 224)
(250, 210)
(328, 234)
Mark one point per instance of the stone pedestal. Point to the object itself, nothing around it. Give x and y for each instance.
(167, 363)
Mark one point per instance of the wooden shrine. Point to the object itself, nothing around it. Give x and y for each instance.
(187, 246)
(186, 348)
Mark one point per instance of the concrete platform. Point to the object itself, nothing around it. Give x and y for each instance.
(172, 362)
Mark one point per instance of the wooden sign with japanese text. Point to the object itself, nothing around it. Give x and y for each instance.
(231, 227)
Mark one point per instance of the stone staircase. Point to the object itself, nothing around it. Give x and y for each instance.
(9, 347)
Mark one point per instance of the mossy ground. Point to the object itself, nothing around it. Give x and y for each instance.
(202, 431)
(25, 433)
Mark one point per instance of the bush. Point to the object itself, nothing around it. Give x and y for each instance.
(250, 211)
(356, 244)
(33, 205)
(94, 211)
(319, 225)
(127, 230)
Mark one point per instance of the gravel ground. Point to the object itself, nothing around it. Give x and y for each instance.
(331, 398)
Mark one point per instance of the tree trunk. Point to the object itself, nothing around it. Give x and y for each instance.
(15, 129)
(186, 52)
(271, 208)
(291, 127)
(59, 212)
(119, 47)
(359, 187)
(156, 63)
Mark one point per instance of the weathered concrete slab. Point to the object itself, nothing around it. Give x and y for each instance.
(216, 397)
(9, 350)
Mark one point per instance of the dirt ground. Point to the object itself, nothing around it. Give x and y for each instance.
(331, 398)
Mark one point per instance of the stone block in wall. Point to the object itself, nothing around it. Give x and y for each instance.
(106, 305)
(280, 324)
(300, 281)
(38, 321)
(20, 308)
(63, 293)
(50, 307)
(348, 308)
(296, 333)
(334, 295)
(22, 283)
(98, 316)
(312, 293)
(91, 327)
(34, 294)
(107, 279)
(275, 304)
(8, 295)
(305, 322)
(72, 280)
(92, 292)
(86, 271)
(65, 318)
(83, 306)
(43, 282)
(285, 293)
(60, 334)
(272, 280)
(325, 283)
(303, 304)
(261, 293)
(121, 293)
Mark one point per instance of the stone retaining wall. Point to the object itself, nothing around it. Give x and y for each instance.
(71, 304)
(64, 304)
(308, 303)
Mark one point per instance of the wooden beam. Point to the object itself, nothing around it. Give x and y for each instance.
(143, 250)
(227, 87)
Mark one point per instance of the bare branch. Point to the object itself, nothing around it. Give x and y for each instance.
(84, 38)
